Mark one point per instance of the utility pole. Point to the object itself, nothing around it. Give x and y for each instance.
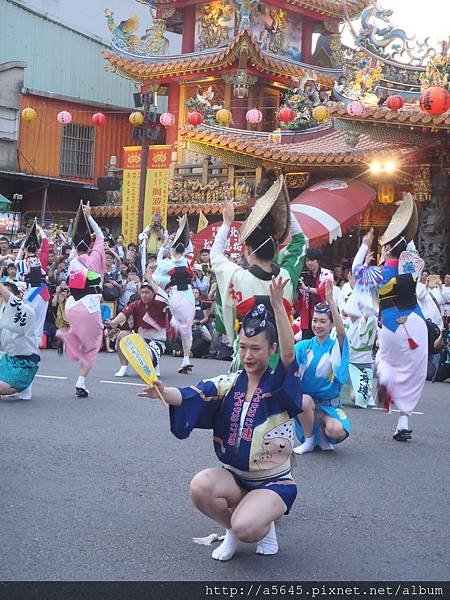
(150, 113)
(144, 160)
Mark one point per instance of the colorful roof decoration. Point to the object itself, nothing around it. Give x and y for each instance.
(329, 8)
(140, 69)
(408, 116)
(326, 148)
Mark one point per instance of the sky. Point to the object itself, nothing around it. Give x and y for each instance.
(423, 18)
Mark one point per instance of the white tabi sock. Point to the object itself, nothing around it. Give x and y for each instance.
(122, 372)
(26, 394)
(269, 544)
(81, 382)
(307, 446)
(402, 423)
(227, 548)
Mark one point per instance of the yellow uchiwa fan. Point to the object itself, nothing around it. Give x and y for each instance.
(136, 352)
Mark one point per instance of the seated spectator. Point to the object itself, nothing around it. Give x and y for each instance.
(59, 300)
(119, 248)
(201, 339)
(200, 281)
(131, 285)
(204, 258)
(112, 281)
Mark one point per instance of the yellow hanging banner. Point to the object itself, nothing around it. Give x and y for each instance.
(157, 184)
(130, 193)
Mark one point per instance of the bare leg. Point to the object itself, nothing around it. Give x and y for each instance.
(306, 420)
(122, 359)
(215, 492)
(255, 513)
(6, 389)
(333, 428)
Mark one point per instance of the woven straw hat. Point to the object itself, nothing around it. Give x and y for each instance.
(32, 236)
(276, 202)
(81, 230)
(404, 221)
(182, 234)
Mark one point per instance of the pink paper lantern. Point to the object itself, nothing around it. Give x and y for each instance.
(254, 116)
(98, 119)
(167, 119)
(355, 108)
(64, 117)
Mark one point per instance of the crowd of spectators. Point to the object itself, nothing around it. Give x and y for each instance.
(123, 279)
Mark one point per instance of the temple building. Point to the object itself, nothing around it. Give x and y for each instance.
(269, 84)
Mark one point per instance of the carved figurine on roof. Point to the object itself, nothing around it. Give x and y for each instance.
(202, 102)
(361, 74)
(125, 37)
(302, 100)
(378, 35)
(214, 25)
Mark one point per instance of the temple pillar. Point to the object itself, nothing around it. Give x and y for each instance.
(239, 110)
(173, 106)
(433, 226)
(188, 39)
(307, 31)
(181, 116)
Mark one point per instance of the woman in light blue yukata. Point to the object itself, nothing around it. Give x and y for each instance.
(323, 363)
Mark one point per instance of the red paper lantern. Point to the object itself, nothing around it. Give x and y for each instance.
(395, 102)
(286, 115)
(98, 119)
(434, 100)
(195, 118)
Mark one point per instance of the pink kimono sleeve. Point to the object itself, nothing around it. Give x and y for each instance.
(96, 259)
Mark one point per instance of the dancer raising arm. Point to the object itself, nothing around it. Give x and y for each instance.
(324, 367)
(250, 413)
(84, 338)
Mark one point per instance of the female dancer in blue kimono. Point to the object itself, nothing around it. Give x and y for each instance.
(250, 413)
(323, 365)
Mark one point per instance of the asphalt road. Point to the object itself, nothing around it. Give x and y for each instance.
(98, 489)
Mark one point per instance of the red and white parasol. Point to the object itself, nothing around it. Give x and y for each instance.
(328, 209)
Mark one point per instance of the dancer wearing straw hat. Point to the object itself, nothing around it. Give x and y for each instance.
(268, 225)
(84, 338)
(31, 263)
(181, 296)
(402, 357)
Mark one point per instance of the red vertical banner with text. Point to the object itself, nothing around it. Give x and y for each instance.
(130, 193)
(157, 184)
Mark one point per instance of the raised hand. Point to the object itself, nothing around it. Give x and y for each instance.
(368, 238)
(228, 212)
(87, 210)
(369, 257)
(329, 291)
(276, 289)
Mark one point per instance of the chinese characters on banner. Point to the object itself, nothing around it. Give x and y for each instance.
(205, 238)
(130, 193)
(157, 184)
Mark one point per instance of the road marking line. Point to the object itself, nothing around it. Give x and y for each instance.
(123, 383)
(50, 377)
(394, 410)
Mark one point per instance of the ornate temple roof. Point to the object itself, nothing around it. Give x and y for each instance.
(408, 116)
(329, 8)
(164, 68)
(325, 148)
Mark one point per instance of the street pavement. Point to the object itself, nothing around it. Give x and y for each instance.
(98, 489)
